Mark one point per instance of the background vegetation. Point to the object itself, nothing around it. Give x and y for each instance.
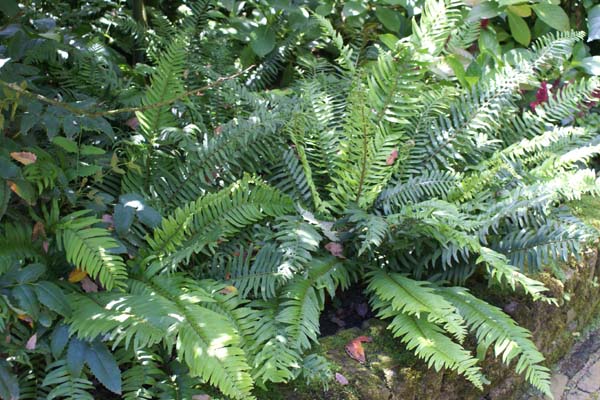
(185, 185)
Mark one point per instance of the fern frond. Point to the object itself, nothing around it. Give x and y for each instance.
(65, 385)
(405, 296)
(89, 249)
(201, 225)
(492, 326)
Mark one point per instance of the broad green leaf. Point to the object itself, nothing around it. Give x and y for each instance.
(519, 29)
(58, 340)
(123, 218)
(389, 40)
(553, 16)
(66, 144)
(392, 20)
(10, 8)
(591, 65)
(27, 300)
(31, 273)
(262, 41)
(9, 385)
(24, 190)
(52, 297)
(149, 216)
(76, 354)
(522, 10)
(353, 8)
(104, 367)
(594, 23)
(87, 150)
(503, 3)
(8, 169)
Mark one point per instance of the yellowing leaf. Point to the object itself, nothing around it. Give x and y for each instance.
(24, 157)
(77, 275)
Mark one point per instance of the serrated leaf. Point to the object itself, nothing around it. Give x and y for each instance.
(519, 29)
(52, 297)
(76, 354)
(553, 16)
(104, 367)
(262, 41)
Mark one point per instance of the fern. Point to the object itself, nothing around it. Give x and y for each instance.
(89, 249)
(510, 341)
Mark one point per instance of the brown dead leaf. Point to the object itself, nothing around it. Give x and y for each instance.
(89, 285)
(228, 289)
(38, 230)
(24, 157)
(201, 397)
(355, 349)
(77, 275)
(392, 157)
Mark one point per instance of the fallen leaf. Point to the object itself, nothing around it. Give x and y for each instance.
(228, 289)
(77, 275)
(30, 345)
(335, 248)
(342, 380)
(355, 349)
(45, 246)
(24, 157)
(88, 285)
(392, 157)
(38, 230)
(201, 397)
(26, 318)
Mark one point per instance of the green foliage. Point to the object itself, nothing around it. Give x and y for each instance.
(170, 227)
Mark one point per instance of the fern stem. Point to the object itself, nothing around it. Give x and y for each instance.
(363, 167)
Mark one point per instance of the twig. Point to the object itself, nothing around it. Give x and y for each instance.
(197, 92)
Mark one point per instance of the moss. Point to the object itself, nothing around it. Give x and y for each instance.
(393, 373)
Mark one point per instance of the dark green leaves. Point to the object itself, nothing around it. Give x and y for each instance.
(52, 297)
(519, 29)
(262, 41)
(553, 16)
(594, 23)
(9, 386)
(104, 367)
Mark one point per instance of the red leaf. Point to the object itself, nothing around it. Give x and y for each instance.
(201, 397)
(108, 219)
(335, 248)
(392, 157)
(45, 246)
(31, 343)
(342, 380)
(24, 157)
(355, 349)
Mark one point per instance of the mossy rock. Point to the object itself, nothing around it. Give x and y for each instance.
(393, 373)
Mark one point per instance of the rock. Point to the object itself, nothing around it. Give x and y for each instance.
(559, 382)
(591, 380)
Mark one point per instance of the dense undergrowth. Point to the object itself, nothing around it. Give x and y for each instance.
(185, 184)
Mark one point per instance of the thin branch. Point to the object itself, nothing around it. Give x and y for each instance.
(78, 111)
